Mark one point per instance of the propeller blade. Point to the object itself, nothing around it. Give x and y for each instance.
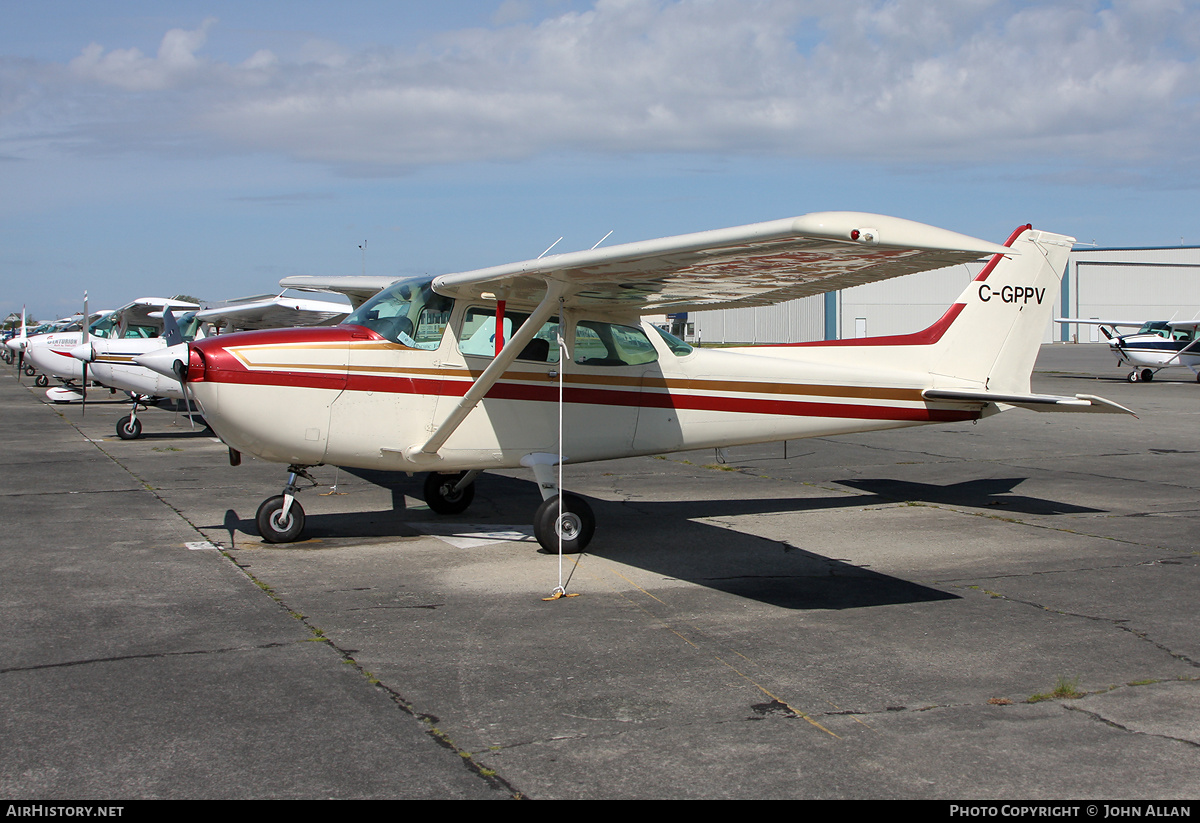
(174, 337)
(180, 368)
(84, 341)
(21, 349)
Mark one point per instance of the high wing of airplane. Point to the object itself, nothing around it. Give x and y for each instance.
(1156, 345)
(548, 362)
(357, 288)
(271, 311)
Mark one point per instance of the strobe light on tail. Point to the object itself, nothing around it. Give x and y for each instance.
(463, 373)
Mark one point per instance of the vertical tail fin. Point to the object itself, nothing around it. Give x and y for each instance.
(993, 340)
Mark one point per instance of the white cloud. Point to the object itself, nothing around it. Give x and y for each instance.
(906, 80)
(131, 70)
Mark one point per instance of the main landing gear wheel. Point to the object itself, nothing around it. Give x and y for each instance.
(441, 496)
(273, 526)
(576, 525)
(42, 380)
(1147, 375)
(30, 371)
(129, 428)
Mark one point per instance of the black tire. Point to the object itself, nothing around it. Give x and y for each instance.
(579, 524)
(129, 428)
(41, 380)
(1132, 377)
(30, 371)
(441, 497)
(1147, 375)
(272, 527)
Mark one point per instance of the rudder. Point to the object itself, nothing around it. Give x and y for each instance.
(993, 341)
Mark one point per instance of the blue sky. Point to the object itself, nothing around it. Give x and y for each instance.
(212, 148)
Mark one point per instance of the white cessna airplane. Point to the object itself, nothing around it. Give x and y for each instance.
(1156, 345)
(548, 361)
(51, 353)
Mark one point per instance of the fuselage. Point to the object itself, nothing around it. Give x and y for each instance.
(350, 396)
(51, 354)
(112, 365)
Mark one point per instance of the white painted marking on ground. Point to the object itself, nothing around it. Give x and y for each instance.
(474, 535)
(201, 545)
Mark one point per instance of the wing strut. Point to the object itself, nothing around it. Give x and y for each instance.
(1188, 349)
(428, 451)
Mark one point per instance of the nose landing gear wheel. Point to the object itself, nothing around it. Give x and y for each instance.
(576, 525)
(274, 526)
(129, 428)
(42, 380)
(441, 496)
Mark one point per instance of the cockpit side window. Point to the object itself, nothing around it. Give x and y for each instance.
(479, 335)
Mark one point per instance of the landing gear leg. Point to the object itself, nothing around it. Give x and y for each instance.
(574, 525)
(280, 518)
(129, 427)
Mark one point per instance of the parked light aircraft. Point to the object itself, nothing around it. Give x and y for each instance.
(51, 353)
(1156, 345)
(111, 359)
(546, 362)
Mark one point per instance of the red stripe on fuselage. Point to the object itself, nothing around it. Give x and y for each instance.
(597, 397)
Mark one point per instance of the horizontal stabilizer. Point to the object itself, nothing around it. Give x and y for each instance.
(1131, 324)
(1033, 402)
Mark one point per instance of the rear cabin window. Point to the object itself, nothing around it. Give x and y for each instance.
(596, 343)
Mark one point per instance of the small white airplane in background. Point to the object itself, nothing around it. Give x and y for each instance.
(51, 353)
(110, 360)
(42, 349)
(1156, 345)
(548, 361)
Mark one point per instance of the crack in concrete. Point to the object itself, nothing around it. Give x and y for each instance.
(1095, 715)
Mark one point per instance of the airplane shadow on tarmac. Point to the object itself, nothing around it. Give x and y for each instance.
(667, 537)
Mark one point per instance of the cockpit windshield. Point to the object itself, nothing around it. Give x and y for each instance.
(1158, 327)
(409, 313)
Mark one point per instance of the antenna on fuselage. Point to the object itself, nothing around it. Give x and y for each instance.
(605, 237)
(547, 251)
